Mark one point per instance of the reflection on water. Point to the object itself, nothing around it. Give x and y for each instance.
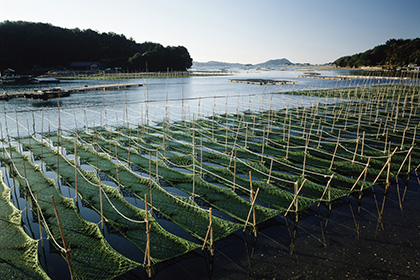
(174, 98)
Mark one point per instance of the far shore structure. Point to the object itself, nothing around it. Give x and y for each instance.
(209, 174)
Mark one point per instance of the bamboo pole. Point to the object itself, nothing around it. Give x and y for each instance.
(193, 158)
(39, 221)
(201, 156)
(304, 156)
(75, 169)
(66, 247)
(288, 137)
(209, 234)
(251, 194)
(234, 172)
(297, 191)
(157, 166)
(101, 205)
(147, 261)
(269, 174)
(355, 150)
(335, 150)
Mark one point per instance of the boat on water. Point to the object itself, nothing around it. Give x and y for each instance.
(50, 93)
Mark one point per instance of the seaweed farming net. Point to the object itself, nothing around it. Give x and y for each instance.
(18, 252)
(251, 166)
(92, 257)
(124, 217)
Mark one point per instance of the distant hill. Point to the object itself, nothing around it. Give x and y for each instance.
(25, 46)
(219, 64)
(275, 62)
(392, 54)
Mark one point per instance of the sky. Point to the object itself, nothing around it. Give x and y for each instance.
(243, 31)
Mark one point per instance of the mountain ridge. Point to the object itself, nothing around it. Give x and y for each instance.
(271, 62)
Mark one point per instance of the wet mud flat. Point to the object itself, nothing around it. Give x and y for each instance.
(389, 253)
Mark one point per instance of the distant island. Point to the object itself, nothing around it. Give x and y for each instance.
(27, 47)
(221, 65)
(393, 54)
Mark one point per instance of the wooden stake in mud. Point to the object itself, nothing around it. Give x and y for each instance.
(402, 140)
(209, 234)
(66, 247)
(304, 156)
(75, 168)
(363, 143)
(414, 136)
(193, 158)
(251, 194)
(320, 136)
(246, 135)
(201, 156)
(129, 149)
(269, 174)
(335, 150)
(234, 172)
(39, 221)
(355, 150)
(262, 146)
(101, 205)
(288, 136)
(157, 166)
(147, 262)
(163, 141)
(386, 141)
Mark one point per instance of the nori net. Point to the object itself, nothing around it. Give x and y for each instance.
(163, 245)
(18, 252)
(92, 256)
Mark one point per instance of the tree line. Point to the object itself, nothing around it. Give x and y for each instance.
(393, 53)
(27, 46)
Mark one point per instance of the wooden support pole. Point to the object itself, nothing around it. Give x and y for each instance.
(297, 191)
(269, 174)
(251, 194)
(355, 150)
(304, 156)
(193, 159)
(288, 136)
(101, 205)
(262, 146)
(39, 221)
(335, 150)
(209, 234)
(363, 143)
(234, 172)
(66, 247)
(402, 139)
(75, 169)
(147, 261)
(163, 141)
(157, 166)
(201, 156)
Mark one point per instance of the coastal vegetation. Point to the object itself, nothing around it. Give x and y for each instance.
(36, 47)
(394, 53)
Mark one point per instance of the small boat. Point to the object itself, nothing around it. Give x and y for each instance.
(50, 93)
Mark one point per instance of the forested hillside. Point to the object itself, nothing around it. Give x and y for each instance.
(25, 46)
(393, 53)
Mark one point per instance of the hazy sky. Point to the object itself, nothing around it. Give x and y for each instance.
(315, 31)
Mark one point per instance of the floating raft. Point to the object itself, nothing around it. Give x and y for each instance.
(317, 76)
(63, 92)
(261, 82)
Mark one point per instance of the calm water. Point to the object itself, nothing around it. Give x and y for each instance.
(174, 98)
